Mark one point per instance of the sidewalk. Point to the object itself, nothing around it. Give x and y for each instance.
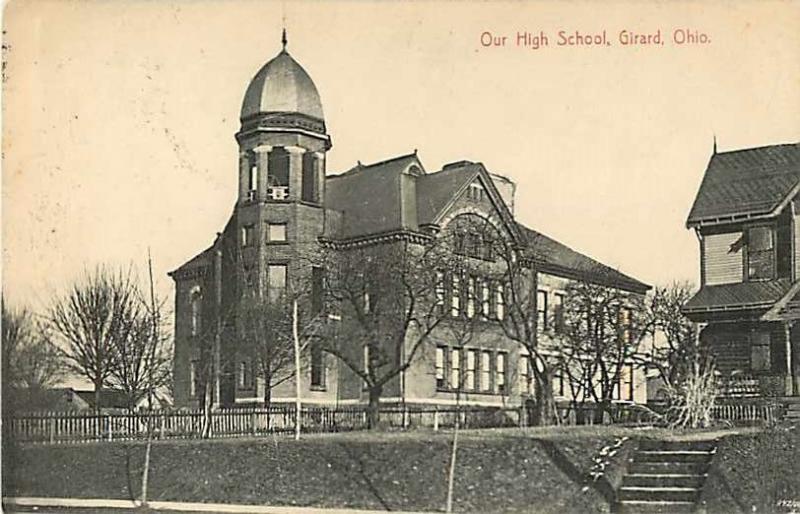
(70, 504)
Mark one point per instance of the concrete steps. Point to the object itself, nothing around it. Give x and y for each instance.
(665, 476)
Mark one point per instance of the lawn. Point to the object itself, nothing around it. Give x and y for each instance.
(509, 470)
(757, 472)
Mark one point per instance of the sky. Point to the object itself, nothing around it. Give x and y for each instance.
(119, 117)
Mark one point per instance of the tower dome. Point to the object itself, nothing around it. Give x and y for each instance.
(281, 89)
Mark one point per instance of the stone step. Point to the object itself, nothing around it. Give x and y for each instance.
(663, 494)
(646, 507)
(672, 456)
(668, 468)
(669, 480)
(658, 444)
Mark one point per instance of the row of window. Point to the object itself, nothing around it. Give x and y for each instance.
(470, 296)
(273, 233)
(544, 309)
(278, 164)
(470, 369)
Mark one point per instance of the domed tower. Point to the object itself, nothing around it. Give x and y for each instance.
(282, 147)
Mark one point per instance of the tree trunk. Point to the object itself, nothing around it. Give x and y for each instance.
(545, 412)
(267, 395)
(98, 389)
(374, 409)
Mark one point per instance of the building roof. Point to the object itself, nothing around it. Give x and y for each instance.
(369, 196)
(436, 190)
(746, 183)
(557, 258)
(201, 260)
(282, 86)
(737, 296)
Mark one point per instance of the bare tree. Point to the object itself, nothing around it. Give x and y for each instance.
(93, 320)
(385, 296)
(603, 329)
(30, 360)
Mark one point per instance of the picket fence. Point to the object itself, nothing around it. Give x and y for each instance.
(746, 412)
(72, 427)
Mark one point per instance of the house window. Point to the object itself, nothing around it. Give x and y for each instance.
(309, 186)
(760, 253)
(486, 371)
(500, 373)
(500, 302)
(485, 299)
(277, 281)
(475, 191)
(317, 366)
(455, 368)
(195, 305)
(276, 232)
(626, 383)
(558, 312)
(278, 167)
(541, 310)
(469, 379)
(455, 297)
(193, 376)
(471, 297)
(760, 358)
(441, 383)
(247, 235)
(558, 382)
(625, 324)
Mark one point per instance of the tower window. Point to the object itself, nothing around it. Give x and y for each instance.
(247, 235)
(195, 299)
(277, 281)
(309, 192)
(252, 164)
(278, 164)
(276, 232)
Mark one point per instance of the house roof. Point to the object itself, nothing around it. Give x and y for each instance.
(746, 183)
(436, 190)
(201, 260)
(109, 398)
(737, 296)
(559, 259)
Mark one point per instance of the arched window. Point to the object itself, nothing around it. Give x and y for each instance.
(195, 307)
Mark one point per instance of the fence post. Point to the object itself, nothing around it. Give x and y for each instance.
(110, 428)
(436, 419)
(52, 430)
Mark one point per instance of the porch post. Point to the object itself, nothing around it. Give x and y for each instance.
(789, 380)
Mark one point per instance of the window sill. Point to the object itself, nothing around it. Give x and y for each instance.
(318, 388)
(277, 243)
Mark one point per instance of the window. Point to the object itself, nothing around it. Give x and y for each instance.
(309, 186)
(278, 167)
(365, 302)
(486, 371)
(471, 293)
(193, 378)
(541, 310)
(500, 373)
(317, 289)
(485, 299)
(475, 191)
(625, 324)
(469, 379)
(558, 312)
(760, 253)
(276, 232)
(455, 368)
(439, 292)
(195, 305)
(252, 178)
(247, 235)
(441, 383)
(500, 302)
(277, 281)
(558, 382)
(366, 362)
(245, 377)
(524, 372)
(455, 296)
(760, 358)
(626, 383)
(317, 366)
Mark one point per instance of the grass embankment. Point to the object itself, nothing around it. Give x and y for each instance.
(497, 471)
(755, 473)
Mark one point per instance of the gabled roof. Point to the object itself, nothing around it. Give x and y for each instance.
(436, 190)
(199, 261)
(369, 196)
(737, 296)
(554, 257)
(742, 184)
